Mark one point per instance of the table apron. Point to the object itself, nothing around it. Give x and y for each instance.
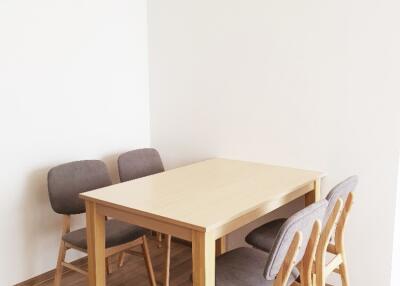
(186, 232)
(260, 211)
(146, 222)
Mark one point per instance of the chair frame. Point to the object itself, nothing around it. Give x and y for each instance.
(335, 223)
(123, 248)
(306, 264)
(338, 263)
(289, 262)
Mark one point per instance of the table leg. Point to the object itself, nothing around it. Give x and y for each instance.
(203, 255)
(167, 259)
(314, 195)
(220, 247)
(96, 245)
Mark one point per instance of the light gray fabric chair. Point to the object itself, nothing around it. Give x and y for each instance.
(65, 183)
(253, 267)
(264, 236)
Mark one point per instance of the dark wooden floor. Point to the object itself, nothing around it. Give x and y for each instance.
(134, 271)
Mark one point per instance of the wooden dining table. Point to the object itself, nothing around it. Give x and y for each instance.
(202, 203)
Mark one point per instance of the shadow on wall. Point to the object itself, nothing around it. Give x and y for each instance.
(38, 219)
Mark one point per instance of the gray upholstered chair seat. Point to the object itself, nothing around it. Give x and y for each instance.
(264, 236)
(117, 233)
(244, 267)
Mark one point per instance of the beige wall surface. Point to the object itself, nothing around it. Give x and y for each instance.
(309, 84)
(73, 85)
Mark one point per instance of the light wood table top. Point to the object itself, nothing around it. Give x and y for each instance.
(206, 195)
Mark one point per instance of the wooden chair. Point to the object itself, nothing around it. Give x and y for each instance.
(332, 242)
(65, 183)
(264, 236)
(140, 163)
(296, 241)
(308, 259)
(307, 263)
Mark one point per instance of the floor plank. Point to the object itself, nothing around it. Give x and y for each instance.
(134, 271)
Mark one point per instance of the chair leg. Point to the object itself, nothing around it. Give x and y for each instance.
(108, 265)
(167, 259)
(149, 265)
(59, 267)
(121, 259)
(320, 270)
(159, 239)
(341, 251)
(343, 270)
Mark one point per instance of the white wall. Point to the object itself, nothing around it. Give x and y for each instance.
(73, 85)
(310, 84)
(395, 278)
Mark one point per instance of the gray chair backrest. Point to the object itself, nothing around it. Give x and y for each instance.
(67, 181)
(139, 163)
(341, 190)
(301, 221)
